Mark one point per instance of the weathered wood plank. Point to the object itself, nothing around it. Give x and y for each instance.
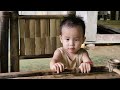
(98, 72)
(74, 76)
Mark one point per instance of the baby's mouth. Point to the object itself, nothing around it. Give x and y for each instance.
(71, 49)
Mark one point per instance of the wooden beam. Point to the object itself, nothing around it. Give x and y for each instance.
(41, 16)
(14, 42)
(4, 29)
(36, 56)
(31, 74)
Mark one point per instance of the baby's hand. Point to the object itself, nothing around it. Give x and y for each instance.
(58, 67)
(85, 67)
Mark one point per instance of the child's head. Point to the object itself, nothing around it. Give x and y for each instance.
(72, 33)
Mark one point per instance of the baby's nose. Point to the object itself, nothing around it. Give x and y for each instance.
(71, 42)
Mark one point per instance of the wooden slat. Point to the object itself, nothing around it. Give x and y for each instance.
(43, 41)
(27, 31)
(47, 46)
(37, 37)
(53, 44)
(29, 46)
(37, 28)
(32, 28)
(22, 36)
(22, 28)
(43, 25)
(32, 35)
(58, 27)
(27, 57)
(47, 27)
(22, 46)
(38, 45)
(53, 30)
(40, 16)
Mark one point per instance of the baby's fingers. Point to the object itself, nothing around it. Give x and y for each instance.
(88, 67)
(81, 68)
(85, 68)
(62, 66)
(57, 68)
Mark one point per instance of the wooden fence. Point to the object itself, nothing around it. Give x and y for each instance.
(33, 36)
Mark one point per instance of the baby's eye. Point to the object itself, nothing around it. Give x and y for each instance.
(76, 39)
(67, 39)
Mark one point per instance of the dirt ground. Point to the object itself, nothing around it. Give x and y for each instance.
(100, 54)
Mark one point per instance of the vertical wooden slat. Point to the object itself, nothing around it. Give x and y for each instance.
(37, 37)
(43, 40)
(53, 44)
(22, 36)
(4, 29)
(14, 42)
(32, 35)
(53, 35)
(37, 45)
(43, 23)
(27, 38)
(27, 31)
(47, 27)
(47, 45)
(58, 26)
(37, 28)
(43, 28)
(32, 28)
(52, 28)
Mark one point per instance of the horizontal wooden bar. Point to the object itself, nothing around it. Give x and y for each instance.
(36, 56)
(94, 70)
(41, 16)
(105, 38)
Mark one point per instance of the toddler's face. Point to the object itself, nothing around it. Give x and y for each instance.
(71, 38)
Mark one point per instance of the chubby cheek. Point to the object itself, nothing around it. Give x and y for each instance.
(65, 44)
(78, 45)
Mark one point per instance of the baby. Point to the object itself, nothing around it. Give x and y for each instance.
(71, 55)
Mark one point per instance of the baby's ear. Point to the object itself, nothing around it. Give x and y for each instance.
(60, 38)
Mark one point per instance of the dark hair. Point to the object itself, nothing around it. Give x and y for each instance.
(72, 21)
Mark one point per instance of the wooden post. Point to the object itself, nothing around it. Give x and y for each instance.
(113, 13)
(117, 15)
(14, 42)
(4, 28)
